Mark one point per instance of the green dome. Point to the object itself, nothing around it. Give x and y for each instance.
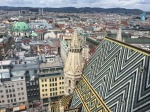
(20, 27)
(33, 34)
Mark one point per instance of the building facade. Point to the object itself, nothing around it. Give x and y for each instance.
(51, 78)
(12, 87)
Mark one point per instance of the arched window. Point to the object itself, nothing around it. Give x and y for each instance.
(69, 82)
(77, 82)
(69, 91)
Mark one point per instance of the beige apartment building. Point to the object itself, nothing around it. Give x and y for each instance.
(51, 78)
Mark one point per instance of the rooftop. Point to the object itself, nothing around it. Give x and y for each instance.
(6, 62)
(56, 63)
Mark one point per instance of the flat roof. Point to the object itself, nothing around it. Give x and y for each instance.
(27, 67)
(56, 63)
(5, 62)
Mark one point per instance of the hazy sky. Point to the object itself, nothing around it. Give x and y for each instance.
(131, 4)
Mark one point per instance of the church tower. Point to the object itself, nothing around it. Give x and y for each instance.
(73, 65)
(119, 36)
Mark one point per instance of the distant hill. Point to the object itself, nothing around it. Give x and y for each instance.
(76, 10)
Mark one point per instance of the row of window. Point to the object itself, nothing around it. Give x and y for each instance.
(11, 100)
(32, 83)
(12, 95)
(11, 85)
(2, 101)
(53, 94)
(52, 84)
(52, 79)
(10, 90)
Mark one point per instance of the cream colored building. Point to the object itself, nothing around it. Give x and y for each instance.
(51, 78)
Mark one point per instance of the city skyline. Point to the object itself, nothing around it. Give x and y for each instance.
(134, 4)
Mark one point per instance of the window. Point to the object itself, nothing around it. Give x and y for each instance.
(59, 78)
(55, 89)
(50, 89)
(1, 91)
(50, 85)
(77, 82)
(50, 94)
(43, 94)
(2, 96)
(18, 89)
(8, 101)
(69, 91)
(42, 90)
(14, 100)
(49, 80)
(11, 100)
(21, 83)
(55, 79)
(3, 101)
(45, 89)
(62, 82)
(22, 93)
(22, 88)
(18, 93)
(42, 80)
(42, 85)
(62, 77)
(33, 83)
(59, 87)
(13, 90)
(45, 85)
(7, 96)
(21, 77)
(6, 91)
(10, 95)
(23, 98)
(9, 90)
(19, 98)
(37, 82)
(62, 91)
(69, 82)
(45, 80)
(14, 95)
(55, 84)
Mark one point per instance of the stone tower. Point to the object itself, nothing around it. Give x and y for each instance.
(73, 65)
(119, 36)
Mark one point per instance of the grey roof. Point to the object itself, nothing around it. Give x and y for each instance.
(57, 63)
(23, 67)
